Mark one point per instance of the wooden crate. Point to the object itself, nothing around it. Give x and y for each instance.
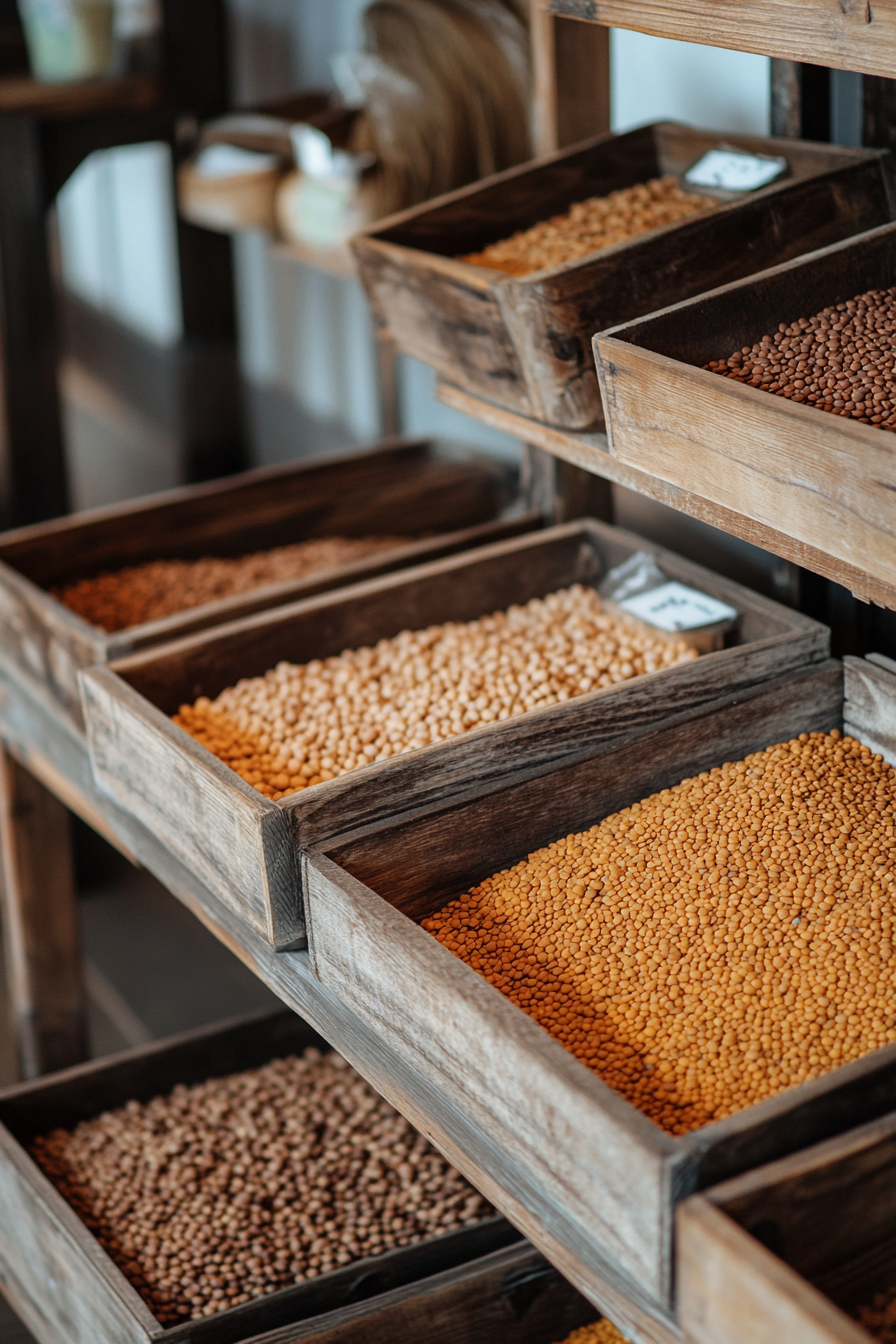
(401, 488)
(244, 847)
(612, 1172)
(511, 1296)
(69, 1291)
(817, 477)
(525, 342)
(789, 1251)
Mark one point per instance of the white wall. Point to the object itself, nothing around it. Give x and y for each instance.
(653, 78)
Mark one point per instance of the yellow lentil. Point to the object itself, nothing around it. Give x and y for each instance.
(299, 725)
(600, 1332)
(714, 944)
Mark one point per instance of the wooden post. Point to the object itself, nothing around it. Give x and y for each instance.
(570, 79)
(561, 491)
(41, 936)
(38, 482)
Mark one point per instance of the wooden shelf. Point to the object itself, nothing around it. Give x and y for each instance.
(591, 452)
(80, 97)
(337, 261)
(39, 737)
(852, 35)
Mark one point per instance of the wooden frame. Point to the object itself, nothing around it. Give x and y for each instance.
(822, 32)
(244, 847)
(56, 1275)
(610, 1170)
(513, 1296)
(401, 486)
(788, 1251)
(791, 467)
(524, 342)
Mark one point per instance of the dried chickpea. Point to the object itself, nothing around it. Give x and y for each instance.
(590, 225)
(714, 944)
(139, 593)
(300, 725)
(230, 1189)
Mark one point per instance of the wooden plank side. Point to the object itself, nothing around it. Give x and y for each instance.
(598, 1157)
(235, 841)
(869, 711)
(54, 1272)
(731, 1288)
(848, 36)
(790, 467)
(513, 1295)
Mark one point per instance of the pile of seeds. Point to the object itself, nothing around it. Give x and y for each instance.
(300, 725)
(231, 1189)
(115, 601)
(590, 225)
(708, 947)
(601, 1332)
(879, 1319)
(842, 360)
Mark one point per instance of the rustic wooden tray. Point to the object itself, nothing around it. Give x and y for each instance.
(612, 1172)
(511, 1296)
(817, 477)
(56, 1275)
(244, 847)
(525, 342)
(785, 1252)
(399, 488)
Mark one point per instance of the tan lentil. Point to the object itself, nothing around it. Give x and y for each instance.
(600, 1332)
(714, 944)
(842, 360)
(590, 225)
(231, 1189)
(139, 593)
(300, 725)
(879, 1317)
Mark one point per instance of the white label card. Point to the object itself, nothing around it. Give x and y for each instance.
(732, 171)
(672, 607)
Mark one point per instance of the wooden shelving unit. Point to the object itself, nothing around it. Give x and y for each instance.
(45, 766)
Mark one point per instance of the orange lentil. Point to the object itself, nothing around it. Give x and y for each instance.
(600, 1332)
(139, 593)
(710, 946)
(302, 724)
(590, 225)
(879, 1317)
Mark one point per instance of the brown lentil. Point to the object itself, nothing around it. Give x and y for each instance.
(139, 593)
(590, 225)
(299, 725)
(714, 944)
(600, 1332)
(842, 360)
(879, 1317)
(234, 1188)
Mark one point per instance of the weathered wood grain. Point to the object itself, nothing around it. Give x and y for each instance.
(845, 34)
(524, 342)
(788, 1249)
(402, 488)
(239, 844)
(41, 936)
(513, 1296)
(89, 1297)
(869, 712)
(590, 451)
(34, 728)
(616, 1173)
(819, 478)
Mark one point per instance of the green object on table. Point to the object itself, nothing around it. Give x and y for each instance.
(68, 39)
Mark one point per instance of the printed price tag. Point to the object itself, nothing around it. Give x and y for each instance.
(674, 607)
(733, 171)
